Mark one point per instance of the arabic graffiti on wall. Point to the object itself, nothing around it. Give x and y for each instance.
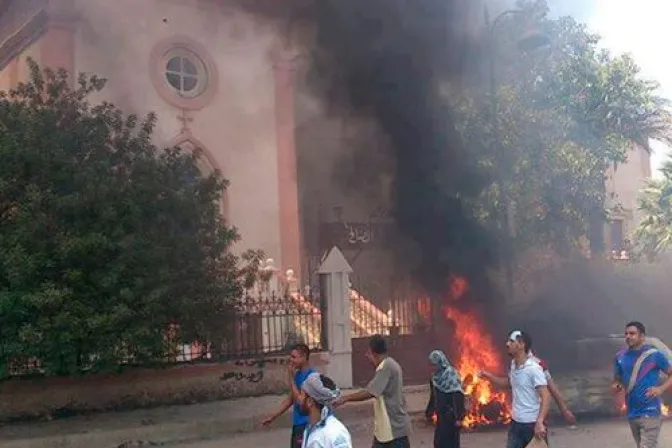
(258, 367)
(253, 377)
(262, 362)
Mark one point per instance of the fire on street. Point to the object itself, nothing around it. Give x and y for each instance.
(614, 434)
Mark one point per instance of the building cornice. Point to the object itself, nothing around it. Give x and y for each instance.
(23, 22)
(28, 33)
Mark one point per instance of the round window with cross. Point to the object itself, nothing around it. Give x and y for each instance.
(185, 73)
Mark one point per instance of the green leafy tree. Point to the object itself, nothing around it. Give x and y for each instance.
(542, 141)
(111, 250)
(653, 236)
(563, 115)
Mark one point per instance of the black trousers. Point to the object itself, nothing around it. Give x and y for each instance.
(446, 432)
(401, 442)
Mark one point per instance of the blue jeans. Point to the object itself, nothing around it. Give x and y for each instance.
(520, 435)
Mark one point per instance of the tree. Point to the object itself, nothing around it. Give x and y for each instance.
(564, 115)
(107, 243)
(653, 236)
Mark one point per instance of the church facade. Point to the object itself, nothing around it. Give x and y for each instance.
(220, 81)
(223, 83)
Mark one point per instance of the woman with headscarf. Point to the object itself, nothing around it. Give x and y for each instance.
(446, 401)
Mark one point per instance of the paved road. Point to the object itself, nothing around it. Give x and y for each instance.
(596, 435)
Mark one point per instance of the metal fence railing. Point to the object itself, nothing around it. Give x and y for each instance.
(263, 325)
(396, 317)
(260, 325)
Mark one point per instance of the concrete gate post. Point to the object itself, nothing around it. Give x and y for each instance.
(336, 320)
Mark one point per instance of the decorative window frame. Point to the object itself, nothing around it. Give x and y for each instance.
(157, 70)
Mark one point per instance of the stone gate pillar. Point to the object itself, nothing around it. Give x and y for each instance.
(336, 320)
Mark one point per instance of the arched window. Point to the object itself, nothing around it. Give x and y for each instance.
(205, 163)
(202, 162)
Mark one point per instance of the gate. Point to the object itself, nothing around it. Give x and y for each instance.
(382, 299)
(407, 325)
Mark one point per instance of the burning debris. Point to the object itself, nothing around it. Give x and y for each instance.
(476, 353)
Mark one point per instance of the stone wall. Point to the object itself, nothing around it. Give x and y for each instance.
(183, 384)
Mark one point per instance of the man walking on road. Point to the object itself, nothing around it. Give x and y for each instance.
(299, 370)
(637, 371)
(391, 421)
(529, 387)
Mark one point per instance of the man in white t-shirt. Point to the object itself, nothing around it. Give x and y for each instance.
(529, 387)
(318, 393)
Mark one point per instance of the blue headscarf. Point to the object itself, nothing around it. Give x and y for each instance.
(446, 378)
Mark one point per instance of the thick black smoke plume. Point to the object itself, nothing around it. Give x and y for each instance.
(388, 59)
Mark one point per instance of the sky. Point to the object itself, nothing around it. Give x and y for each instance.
(640, 28)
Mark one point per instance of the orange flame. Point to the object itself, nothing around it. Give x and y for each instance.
(477, 353)
(458, 287)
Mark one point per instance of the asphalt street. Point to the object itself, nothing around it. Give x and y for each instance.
(613, 434)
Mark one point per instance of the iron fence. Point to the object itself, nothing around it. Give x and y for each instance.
(264, 324)
(399, 312)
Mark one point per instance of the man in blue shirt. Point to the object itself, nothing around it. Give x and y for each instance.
(637, 371)
(299, 369)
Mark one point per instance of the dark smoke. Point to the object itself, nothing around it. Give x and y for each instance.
(387, 59)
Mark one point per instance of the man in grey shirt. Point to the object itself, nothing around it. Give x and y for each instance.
(391, 425)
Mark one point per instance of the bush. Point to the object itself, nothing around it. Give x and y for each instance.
(107, 242)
